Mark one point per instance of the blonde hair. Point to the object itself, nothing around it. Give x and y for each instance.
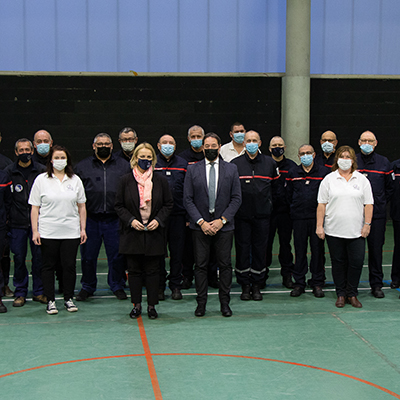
(144, 145)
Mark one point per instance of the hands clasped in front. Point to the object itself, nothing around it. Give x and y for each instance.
(211, 228)
(151, 226)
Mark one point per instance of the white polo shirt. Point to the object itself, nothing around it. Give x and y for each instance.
(228, 152)
(58, 214)
(345, 200)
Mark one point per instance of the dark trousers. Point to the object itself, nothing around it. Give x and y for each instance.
(188, 260)
(101, 229)
(396, 252)
(175, 234)
(282, 224)
(142, 267)
(54, 250)
(376, 240)
(5, 262)
(222, 245)
(251, 237)
(19, 247)
(2, 242)
(347, 257)
(304, 231)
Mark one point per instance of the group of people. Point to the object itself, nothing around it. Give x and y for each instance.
(194, 204)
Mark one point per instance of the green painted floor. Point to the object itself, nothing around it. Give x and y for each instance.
(279, 348)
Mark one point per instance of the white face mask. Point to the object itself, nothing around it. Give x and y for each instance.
(59, 165)
(344, 163)
(128, 146)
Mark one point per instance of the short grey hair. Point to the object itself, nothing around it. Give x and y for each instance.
(22, 140)
(197, 127)
(99, 135)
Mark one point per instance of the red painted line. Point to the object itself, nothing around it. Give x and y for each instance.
(153, 375)
(149, 359)
(285, 362)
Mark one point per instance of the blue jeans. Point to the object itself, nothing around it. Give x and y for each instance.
(19, 247)
(99, 229)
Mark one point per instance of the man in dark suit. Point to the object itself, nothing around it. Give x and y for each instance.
(212, 197)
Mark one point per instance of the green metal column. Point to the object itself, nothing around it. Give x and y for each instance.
(295, 128)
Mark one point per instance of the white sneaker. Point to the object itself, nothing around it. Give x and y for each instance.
(70, 306)
(51, 308)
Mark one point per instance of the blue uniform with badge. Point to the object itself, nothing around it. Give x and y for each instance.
(379, 172)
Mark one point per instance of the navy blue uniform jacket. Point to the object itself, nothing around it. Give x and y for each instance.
(395, 200)
(256, 178)
(174, 171)
(229, 195)
(100, 181)
(302, 190)
(280, 204)
(379, 172)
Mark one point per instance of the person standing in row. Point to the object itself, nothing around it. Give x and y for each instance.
(236, 146)
(42, 142)
(173, 168)
(212, 197)
(58, 220)
(127, 138)
(143, 203)
(379, 172)
(302, 190)
(257, 173)
(22, 174)
(395, 215)
(328, 145)
(100, 174)
(344, 215)
(280, 221)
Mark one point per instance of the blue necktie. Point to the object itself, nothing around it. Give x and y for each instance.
(211, 189)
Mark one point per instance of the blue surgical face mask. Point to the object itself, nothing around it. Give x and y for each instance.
(43, 148)
(327, 147)
(167, 149)
(144, 163)
(367, 148)
(307, 159)
(252, 148)
(196, 143)
(238, 137)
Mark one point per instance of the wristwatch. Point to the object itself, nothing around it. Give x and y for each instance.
(224, 221)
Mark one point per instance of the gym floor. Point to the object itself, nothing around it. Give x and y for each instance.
(278, 348)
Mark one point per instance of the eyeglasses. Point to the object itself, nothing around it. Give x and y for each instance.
(108, 144)
(130, 140)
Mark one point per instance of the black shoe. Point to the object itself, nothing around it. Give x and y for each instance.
(200, 310)
(176, 294)
(287, 281)
(246, 293)
(82, 295)
(186, 283)
(120, 294)
(136, 311)
(152, 313)
(3, 308)
(378, 293)
(263, 285)
(394, 284)
(226, 310)
(297, 291)
(318, 292)
(161, 295)
(255, 291)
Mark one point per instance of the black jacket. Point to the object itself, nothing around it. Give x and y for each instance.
(174, 171)
(20, 214)
(100, 181)
(280, 203)
(379, 172)
(191, 156)
(395, 200)
(302, 190)
(149, 243)
(256, 178)
(5, 198)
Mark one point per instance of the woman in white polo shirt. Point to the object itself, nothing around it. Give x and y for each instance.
(344, 215)
(58, 219)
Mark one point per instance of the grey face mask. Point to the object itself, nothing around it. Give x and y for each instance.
(128, 146)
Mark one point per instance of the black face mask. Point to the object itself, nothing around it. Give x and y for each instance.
(278, 151)
(103, 152)
(25, 157)
(211, 154)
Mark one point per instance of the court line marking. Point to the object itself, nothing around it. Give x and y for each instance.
(368, 343)
(149, 360)
(381, 388)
